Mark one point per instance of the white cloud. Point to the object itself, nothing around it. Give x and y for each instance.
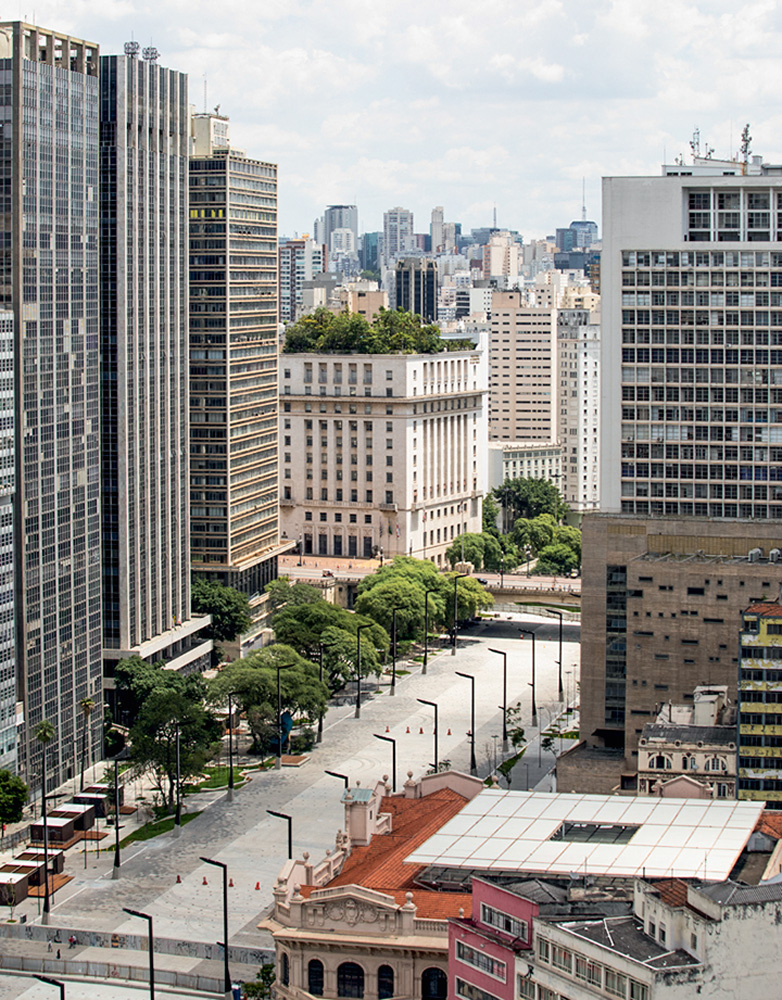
(465, 105)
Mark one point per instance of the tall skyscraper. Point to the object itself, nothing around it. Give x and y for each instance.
(233, 368)
(50, 285)
(398, 233)
(299, 261)
(7, 480)
(340, 217)
(416, 287)
(144, 142)
(692, 319)
(436, 228)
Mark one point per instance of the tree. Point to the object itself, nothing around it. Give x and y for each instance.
(556, 560)
(136, 680)
(262, 988)
(570, 536)
(472, 545)
(397, 592)
(513, 716)
(490, 512)
(153, 738)
(302, 627)
(283, 594)
(229, 608)
(13, 796)
(534, 534)
(253, 680)
(528, 498)
(86, 705)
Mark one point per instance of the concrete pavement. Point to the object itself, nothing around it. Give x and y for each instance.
(254, 845)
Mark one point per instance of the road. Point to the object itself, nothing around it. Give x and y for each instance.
(254, 845)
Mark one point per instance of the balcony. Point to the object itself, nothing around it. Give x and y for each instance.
(388, 506)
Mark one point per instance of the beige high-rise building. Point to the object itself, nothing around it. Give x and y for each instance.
(522, 373)
(578, 416)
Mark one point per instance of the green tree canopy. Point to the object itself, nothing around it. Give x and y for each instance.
(398, 592)
(136, 680)
(535, 533)
(153, 738)
(556, 560)
(389, 332)
(282, 593)
(229, 608)
(254, 682)
(528, 498)
(490, 512)
(567, 535)
(13, 796)
(472, 545)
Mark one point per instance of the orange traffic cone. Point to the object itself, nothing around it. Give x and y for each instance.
(421, 731)
(257, 886)
(449, 731)
(388, 730)
(230, 883)
(408, 729)
(179, 880)
(204, 882)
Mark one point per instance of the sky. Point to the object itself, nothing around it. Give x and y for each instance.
(464, 104)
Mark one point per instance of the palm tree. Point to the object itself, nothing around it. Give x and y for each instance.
(44, 733)
(86, 705)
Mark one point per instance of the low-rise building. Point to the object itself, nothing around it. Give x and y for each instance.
(696, 741)
(524, 460)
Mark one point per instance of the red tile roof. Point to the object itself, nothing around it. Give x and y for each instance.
(381, 866)
(673, 892)
(765, 608)
(770, 823)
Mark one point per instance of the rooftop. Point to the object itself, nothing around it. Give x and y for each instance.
(559, 834)
(382, 865)
(712, 735)
(625, 936)
(765, 608)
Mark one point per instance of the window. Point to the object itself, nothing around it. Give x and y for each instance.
(350, 980)
(285, 969)
(385, 982)
(544, 950)
(315, 977)
(561, 958)
(616, 983)
(638, 991)
(526, 988)
(589, 972)
(434, 986)
(470, 992)
(480, 960)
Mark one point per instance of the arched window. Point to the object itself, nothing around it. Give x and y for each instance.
(350, 980)
(434, 985)
(660, 763)
(716, 764)
(315, 977)
(385, 982)
(285, 969)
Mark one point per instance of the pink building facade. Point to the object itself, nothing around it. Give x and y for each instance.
(482, 950)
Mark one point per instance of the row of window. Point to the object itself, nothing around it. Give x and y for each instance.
(351, 980)
(603, 977)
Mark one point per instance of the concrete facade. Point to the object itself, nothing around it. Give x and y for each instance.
(523, 371)
(382, 452)
(661, 604)
(760, 694)
(299, 261)
(578, 407)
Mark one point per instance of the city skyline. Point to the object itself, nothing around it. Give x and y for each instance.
(395, 107)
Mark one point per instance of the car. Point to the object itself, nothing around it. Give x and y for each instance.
(327, 572)
(482, 582)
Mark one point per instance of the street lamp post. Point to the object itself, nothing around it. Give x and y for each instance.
(392, 741)
(393, 648)
(553, 611)
(231, 694)
(178, 811)
(504, 656)
(53, 982)
(280, 666)
(457, 577)
(285, 816)
(471, 679)
(358, 667)
(433, 705)
(224, 867)
(322, 645)
(432, 590)
(502, 571)
(528, 631)
(148, 918)
(122, 755)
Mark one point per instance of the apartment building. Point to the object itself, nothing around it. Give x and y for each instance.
(50, 447)
(523, 371)
(233, 362)
(299, 261)
(578, 407)
(382, 452)
(760, 695)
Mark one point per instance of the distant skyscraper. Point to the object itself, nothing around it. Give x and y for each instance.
(144, 363)
(299, 261)
(50, 284)
(233, 367)
(370, 251)
(416, 286)
(340, 217)
(436, 228)
(397, 233)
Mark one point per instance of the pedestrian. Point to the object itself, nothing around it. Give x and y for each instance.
(71, 942)
(58, 953)
(50, 946)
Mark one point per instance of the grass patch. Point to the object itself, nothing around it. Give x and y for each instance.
(150, 830)
(507, 765)
(216, 777)
(575, 608)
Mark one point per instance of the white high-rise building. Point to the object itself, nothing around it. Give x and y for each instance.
(397, 233)
(436, 228)
(692, 334)
(578, 359)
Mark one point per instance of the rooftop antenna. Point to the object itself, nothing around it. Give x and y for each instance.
(583, 200)
(746, 143)
(205, 89)
(695, 142)
(495, 216)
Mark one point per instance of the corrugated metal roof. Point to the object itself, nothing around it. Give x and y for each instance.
(730, 893)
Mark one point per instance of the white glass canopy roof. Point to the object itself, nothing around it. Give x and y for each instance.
(562, 833)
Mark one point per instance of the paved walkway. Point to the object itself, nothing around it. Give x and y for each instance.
(254, 845)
